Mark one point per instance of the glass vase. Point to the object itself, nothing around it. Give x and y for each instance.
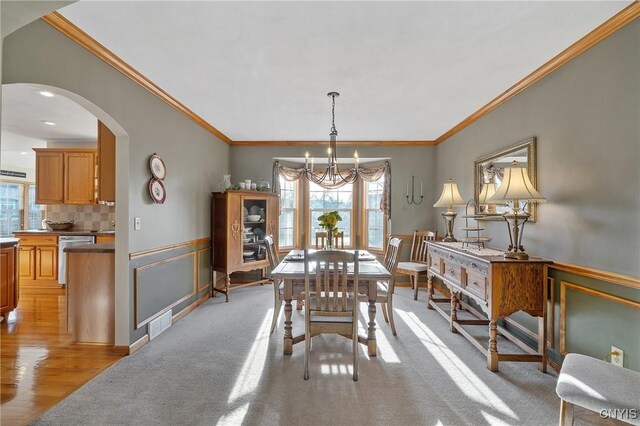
(226, 183)
(329, 242)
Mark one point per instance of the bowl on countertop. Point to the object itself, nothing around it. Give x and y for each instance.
(60, 226)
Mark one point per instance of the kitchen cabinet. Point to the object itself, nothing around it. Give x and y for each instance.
(65, 176)
(240, 221)
(105, 239)
(38, 260)
(49, 177)
(106, 164)
(8, 275)
(91, 295)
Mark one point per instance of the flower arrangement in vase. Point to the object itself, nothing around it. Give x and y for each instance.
(329, 222)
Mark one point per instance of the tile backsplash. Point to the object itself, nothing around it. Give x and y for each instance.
(86, 217)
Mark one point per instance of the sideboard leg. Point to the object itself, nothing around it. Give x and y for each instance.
(429, 290)
(454, 312)
(492, 355)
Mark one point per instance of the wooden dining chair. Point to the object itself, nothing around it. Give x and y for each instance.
(331, 300)
(321, 236)
(417, 264)
(338, 238)
(278, 288)
(386, 288)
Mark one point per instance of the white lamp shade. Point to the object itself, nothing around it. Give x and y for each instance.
(516, 185)
(488, 189)
(450, 196)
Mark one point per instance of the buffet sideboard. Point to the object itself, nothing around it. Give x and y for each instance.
(498, 286)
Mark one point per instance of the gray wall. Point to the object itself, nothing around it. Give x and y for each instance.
(144, 125)
(256, 162)
(194, 158)
(586, 116)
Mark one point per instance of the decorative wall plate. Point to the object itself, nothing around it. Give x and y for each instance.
(158, 169)
(157, 191)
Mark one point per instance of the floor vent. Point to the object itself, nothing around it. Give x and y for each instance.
(160, 324)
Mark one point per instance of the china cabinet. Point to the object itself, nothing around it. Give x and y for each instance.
(240, 221)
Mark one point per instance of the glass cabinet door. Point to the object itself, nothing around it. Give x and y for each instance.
(254, 220)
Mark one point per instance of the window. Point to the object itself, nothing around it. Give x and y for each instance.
(288, 235)
(14, 216)
(374, 220)
(326, 200)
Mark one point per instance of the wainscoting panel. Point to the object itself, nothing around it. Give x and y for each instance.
(174, 277)
(205, 273)
(579, 316)
(151, 299)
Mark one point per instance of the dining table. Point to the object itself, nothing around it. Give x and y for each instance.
(291, 271)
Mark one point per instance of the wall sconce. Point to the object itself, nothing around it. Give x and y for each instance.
(516, 186)
(450, 197)
(413, 200)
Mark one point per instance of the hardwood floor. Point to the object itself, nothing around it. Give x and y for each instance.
(39, 365)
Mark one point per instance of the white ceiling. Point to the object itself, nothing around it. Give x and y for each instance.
(405, 70)
(23, 111)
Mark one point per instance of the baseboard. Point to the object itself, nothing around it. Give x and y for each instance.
(120, 350)
(136, 346)
(190, 308)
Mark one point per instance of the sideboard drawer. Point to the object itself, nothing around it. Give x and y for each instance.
(435, 263)
(477, 284)
(452, 272)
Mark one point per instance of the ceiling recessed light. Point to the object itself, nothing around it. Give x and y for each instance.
(23, 153)
(48, 123)
(46, 94)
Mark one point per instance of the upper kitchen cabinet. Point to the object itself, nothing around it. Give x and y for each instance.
(106, 164)
(49, 177)
(65, 176)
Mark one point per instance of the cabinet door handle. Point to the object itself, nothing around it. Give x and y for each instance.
(476, 284)
(452, 271)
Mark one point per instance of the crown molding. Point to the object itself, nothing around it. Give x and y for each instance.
(619, 20)
(69, 29)
(340, 143)
(622, 18)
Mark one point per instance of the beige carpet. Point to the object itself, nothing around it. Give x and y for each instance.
(220, 365)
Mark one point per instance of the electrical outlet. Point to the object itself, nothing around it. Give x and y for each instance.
(137, 223)
(617, 359)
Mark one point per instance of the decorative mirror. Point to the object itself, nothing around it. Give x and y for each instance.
(489, 170)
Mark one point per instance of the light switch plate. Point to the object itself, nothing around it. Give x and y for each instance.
(137, 223)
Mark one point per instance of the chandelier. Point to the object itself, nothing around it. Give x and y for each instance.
(332, 173)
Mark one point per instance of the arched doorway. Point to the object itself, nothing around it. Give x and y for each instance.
(122, 297)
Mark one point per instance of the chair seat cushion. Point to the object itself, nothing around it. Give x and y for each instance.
(597, 385)
(413, 266)
(329, 319)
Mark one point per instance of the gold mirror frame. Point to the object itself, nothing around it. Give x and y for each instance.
(478, 177)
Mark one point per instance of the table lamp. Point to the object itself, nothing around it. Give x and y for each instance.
(516, 186)
(450, 197)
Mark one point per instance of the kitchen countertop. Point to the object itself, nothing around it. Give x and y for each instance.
(69, 232)
(8, 242)
(92, 248)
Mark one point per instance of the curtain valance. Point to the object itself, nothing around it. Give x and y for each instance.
(367, 174)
